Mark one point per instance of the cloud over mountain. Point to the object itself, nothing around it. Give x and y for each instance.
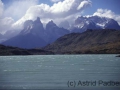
(107, 13)
(62, 10)
(14, 11)
(57, 12)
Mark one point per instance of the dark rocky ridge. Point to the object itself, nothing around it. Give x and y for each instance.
(90, 41)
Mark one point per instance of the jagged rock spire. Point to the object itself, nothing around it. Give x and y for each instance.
(37, 20)
(50, 24)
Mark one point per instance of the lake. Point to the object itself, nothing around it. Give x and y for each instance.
(60, 72)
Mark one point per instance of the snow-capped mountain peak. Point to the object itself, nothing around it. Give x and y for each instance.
(81, 24)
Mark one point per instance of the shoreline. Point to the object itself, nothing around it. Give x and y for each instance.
(116, 55)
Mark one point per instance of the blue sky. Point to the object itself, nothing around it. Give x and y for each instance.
(106, 4)
(18, 11)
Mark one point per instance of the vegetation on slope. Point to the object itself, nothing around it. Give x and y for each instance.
(91, 41)
(8, 50)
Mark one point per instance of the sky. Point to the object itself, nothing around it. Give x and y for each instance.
(112, 5)
(13, 13)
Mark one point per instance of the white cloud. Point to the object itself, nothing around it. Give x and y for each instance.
(107, 13)
(1, 8)
(56, 12)
(16, 10)
(55, 0)
(84, 4)
(5, 24)
(19, 7)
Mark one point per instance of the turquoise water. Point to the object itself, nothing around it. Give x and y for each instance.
(59, 72)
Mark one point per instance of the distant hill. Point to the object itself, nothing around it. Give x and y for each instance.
(90, 41)
(8, 50)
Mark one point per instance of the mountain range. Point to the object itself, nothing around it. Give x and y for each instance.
(34, 35)
(81, 24)
(90, 41)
